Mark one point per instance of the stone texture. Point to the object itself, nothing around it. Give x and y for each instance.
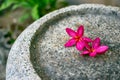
(39, 52)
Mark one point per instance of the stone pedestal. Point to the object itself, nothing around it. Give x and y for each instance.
(39, 52)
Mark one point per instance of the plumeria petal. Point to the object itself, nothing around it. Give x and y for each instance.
(70, 32)
(102, 49)
(93, 54)
(70, 43)
(80, 45)
(85, 52)
(87, 46)
(80, 30)
(87, 39)
(96, 43)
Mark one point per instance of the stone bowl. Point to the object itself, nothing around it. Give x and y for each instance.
(39, 52)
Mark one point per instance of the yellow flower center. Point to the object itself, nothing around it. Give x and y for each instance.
(91, 50)
(77, 38)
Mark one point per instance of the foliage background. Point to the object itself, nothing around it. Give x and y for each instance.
(35, 8)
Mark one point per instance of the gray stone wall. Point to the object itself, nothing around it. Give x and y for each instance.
(106, 2)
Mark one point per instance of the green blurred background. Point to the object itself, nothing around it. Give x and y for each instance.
(16, 15)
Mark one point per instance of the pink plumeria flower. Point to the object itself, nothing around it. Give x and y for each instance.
(95, 48)
(77, 38)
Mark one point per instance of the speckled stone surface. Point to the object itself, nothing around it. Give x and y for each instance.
(39, 52)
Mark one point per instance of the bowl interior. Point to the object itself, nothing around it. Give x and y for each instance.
(51, 60)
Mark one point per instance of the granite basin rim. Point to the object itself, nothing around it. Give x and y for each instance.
(20, 53)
